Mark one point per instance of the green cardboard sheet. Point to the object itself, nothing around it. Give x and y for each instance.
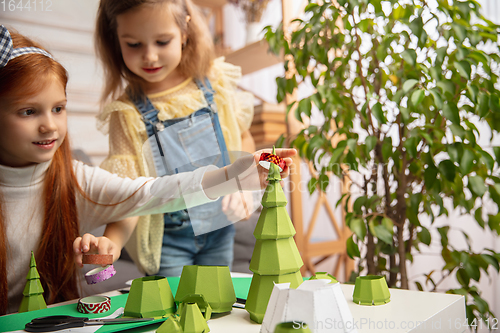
(17, 321)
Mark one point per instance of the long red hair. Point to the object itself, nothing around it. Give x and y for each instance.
(20, 78)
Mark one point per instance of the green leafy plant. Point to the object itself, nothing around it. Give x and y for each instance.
(403, 85)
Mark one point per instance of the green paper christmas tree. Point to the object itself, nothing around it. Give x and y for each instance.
(33, 291)
(275, 258)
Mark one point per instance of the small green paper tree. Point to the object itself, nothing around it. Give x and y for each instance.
(275, 258)
(33, 291)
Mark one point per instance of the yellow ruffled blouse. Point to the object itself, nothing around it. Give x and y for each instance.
(127, 134)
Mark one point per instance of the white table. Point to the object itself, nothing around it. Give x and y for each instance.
(408, 311)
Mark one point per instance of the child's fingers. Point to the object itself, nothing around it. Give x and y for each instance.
(77, 250)
(89, 242)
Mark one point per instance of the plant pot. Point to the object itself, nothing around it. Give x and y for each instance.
(371, 290)
(149, 296)
(213, 282)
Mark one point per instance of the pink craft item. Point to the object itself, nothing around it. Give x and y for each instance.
(94, 304)
(100, 274)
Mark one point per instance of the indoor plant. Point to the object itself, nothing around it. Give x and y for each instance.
(402, 86)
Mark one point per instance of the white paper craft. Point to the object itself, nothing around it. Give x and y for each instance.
(318, 303)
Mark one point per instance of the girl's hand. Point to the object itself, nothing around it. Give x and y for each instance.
(251, 175)
(238, 206)
(245, 174)
(94, 245)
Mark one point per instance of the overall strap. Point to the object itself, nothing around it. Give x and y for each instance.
(149, 113)
(208, 92)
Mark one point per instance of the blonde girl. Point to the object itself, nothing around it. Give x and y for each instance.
(159, 67)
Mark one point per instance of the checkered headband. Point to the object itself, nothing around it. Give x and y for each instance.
(8, 52)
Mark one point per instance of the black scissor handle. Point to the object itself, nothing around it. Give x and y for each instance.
(54, 323)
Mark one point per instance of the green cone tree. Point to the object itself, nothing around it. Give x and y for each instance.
(275, 258)
(33, 291)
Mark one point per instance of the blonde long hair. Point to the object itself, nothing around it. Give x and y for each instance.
(197, 54)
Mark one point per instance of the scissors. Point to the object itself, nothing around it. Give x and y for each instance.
(56, 323)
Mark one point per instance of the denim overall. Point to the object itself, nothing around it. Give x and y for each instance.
(200, 235)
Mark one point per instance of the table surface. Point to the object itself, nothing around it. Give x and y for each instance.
(408, 311)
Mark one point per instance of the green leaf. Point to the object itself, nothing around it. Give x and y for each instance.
(478, 215)
(447, 87)
(311, 185)
(458, 130)
(496, 151)
(410, 56)
(425, 236)
(305, 107)
(451, 113)
(386, 149)
(448, 170)
(417, 97)
(411, 146)
(436, 94)
(487, 160)
(494, 222)
(495, 193)
(463, 68)
(388, 224)
(352, 143)
(382, 234)
(462, 277)
(491, 260)
(409, 84)
(378, 113)
(430, 177)
(370, 142)
(454, 151)
(324, 181)
(352, 249)
(483, 105)
(358, 226)
(467, 161)
(473, 91)
(477, 186)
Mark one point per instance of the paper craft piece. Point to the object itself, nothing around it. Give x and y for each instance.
(171, 325)
(291, 327)
(150, 296)
(275, 257)
(33, 291)
(319, 304)
(100, 274)
(97, 259)
(323, 275)
(274, 222)
(192, 320)
(94, 304)
(213, 282)
(202, 303)
(371, 290)
(262, 287)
